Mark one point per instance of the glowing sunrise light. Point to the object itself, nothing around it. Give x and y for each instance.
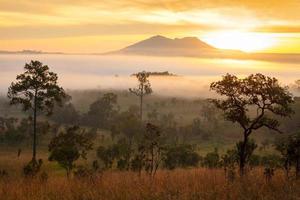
(244, 41)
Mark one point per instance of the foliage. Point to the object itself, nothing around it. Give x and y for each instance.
(290, 151)
(36, 90)
(182, 156)
(257, 93)
(212, 159)
(66, 114)
(69, 146)
(152, 149)
(119, 152)
(107, 155)
(102, 112)
(16, 131)
(128, 124)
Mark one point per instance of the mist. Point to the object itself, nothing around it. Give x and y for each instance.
(194, 75)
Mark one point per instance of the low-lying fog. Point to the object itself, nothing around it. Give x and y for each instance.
(113, 72)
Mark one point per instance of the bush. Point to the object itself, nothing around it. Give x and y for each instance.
(212, 159)
(32, 168)
(181, 156)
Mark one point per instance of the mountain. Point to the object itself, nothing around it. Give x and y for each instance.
(193, 47)
(163, 46)
(163, 42)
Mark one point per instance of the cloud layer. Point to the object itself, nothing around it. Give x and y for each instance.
(52, 19)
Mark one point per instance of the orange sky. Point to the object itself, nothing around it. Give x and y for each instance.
(100, 26)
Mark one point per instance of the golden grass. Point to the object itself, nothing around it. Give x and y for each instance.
(181, 184)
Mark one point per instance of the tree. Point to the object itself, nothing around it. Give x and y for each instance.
(108, 155)
(119, 152)
(151, 149)
(183, 155)
(69, 146)
(102, 111)
(252, 102)
(247, 152)
(290, 150)
(143, 89)
(66, 114)
(37, 91)
(212, 159)
(127, 123)
(228, 162)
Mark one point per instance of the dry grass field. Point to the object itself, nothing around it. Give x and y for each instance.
(181, 184)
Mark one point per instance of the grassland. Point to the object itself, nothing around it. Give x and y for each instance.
(181, 184)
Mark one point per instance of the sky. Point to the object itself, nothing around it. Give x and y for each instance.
(95, 26)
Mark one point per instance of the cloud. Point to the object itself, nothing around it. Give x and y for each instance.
(42, 19)
(288, 9)
(279, 29)
(54, 31)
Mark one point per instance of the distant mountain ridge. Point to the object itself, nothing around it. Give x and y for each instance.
(162, 46)
(193, 47)
(181, 47)
(164, 42)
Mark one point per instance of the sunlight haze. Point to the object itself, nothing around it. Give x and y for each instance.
(100, 26)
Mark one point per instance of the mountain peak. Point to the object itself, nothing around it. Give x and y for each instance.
(157, 37)
(159, 45)
(161, 42)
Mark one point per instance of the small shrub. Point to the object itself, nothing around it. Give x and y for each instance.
(32, 168)
(212, 159)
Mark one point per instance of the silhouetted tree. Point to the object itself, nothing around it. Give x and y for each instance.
(69, 146)
(143, 89)
(257, 93)
(36, 90)
(290, 150)
(151, 149)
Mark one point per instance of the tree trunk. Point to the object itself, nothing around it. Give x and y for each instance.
(34, 131)
(141, 107)
(141, 101)
(243, 155)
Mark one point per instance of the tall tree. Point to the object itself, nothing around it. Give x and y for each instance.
(37, 91)
(252, 102)
(143, 89)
